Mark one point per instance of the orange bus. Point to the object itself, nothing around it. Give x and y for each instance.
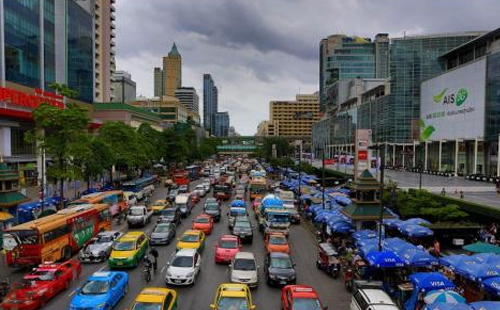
(55, 237)
(114, 199)
(257, 187)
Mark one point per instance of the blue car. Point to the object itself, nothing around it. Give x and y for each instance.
(102, 290)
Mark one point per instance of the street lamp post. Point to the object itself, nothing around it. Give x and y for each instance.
(420, 177)
(323, 175)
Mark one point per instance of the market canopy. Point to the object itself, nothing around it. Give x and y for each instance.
(341, 227)
(418, 258)
(384, 259)
(485, 305)
(487, 258)
(392, 223)
(452, 261)
(478, 271)
(430, 281)
(444, 296)
(365, 234)
(481, 247)
(417, 221)
(492, 285)
(415, 231)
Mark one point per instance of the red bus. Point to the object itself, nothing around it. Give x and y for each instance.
(181, 177)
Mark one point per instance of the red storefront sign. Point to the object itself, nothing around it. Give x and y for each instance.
(362, 155)
(19, 98)
(329, 161)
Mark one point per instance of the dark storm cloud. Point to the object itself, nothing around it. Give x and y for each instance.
(262, 50)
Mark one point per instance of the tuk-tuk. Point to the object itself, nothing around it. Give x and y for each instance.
(328, 259)
(357, 272)
(168, 183)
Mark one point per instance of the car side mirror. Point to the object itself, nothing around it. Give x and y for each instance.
(212, 306)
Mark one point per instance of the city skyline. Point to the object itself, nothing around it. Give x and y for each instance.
(249, 51)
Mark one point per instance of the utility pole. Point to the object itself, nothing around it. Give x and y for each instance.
(323, 175)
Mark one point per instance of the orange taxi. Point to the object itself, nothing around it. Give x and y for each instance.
(203, 222)
(277, 242)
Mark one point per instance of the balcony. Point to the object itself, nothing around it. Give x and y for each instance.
(112, 16)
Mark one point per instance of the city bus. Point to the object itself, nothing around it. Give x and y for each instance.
(115, 199)
(257, 187)
(55, 237)
(181, 177)
(193, 172)
(139, 186)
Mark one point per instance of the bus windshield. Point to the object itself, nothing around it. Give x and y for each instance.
(26, 237)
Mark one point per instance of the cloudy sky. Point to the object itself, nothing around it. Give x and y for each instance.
(262, 50)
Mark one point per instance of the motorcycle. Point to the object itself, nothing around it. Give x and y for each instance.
(4, 289)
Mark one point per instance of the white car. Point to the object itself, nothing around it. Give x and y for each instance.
(206, 185)
(200, 190)
(243, 269)
(183, 268)
(130, 198)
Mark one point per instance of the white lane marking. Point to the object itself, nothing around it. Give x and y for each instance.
(72, 293)
(101, 269)
(163, 269)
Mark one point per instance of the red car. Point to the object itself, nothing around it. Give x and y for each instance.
(195, 198)
(226, 248)
(294, 297)
(42, 284)
(203, 222)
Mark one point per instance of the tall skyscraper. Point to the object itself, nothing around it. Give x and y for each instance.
(104, 45)
(172, 70)
(158, 82)
(210, 102)
(221, 124)
(189, 98)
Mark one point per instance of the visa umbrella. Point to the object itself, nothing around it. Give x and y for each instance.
(417, 221)
(451, 261)
(485, 305)
(487, 258)
(492, 285)
(430, 281)
(384, 259)
(415, 231)
(445, 296)
(479, 272)
(447, 306)
(418, 258)
(365, 234)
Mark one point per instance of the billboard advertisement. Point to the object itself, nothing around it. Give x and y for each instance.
(453, 104)
(363, 142)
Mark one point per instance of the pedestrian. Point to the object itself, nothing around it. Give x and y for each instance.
(155, 255)
(443, 192)
(461, 194)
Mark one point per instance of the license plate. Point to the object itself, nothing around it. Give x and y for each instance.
(282, 282)
(178, 281)
(119, 263)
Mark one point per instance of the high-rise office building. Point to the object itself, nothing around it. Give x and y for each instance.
(189, 98)
(158, 82)
(104, 45)
(344, 57)
(210, 102)
(124, 88)
(172, 70)
(221, 124)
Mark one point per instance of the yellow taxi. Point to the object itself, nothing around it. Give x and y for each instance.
(191, 239)
(233, 296)
(128, 250)
(159, 206)
(157, 298)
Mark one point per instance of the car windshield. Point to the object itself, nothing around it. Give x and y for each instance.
(168, 212)
(95, 287)
(200, 187)
(212, 206)
(277, 240)
(232, 303)
(146, 306)
(160, 203)
(279, 218)
(136, 211)
(242, 224)
(306, 304)
(228, 244)
(202, 220)
(162, 228)
(41, 275)
(124, 246)
(280, 262)
(173, 192)
(189, 238)
(244, 264)
(104, 239)
(182, 261)
(236, 212)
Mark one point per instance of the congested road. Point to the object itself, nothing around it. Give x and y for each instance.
(200, 296)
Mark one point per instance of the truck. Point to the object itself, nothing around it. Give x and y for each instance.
(288, 199)
(184, 203)
(139, 216)
(223, 188)
(272, 215)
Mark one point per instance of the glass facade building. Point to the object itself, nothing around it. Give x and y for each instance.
(210, 102)
(221, 124)
(49, 54)
(22, 42)
(80, 51)
(492, 129)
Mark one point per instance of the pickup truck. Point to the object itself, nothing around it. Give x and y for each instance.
(139, 216)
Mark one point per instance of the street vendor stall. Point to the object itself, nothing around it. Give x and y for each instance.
(423, 282)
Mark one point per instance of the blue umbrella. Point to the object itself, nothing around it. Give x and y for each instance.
(417, 221)
(392, 223)
(238, 203)
(365, 234)
(479, 272)
(487, 258)
(452, 261)
(445, 296)
(447, 306)
(415, 231)
(395, 244)
(492, 285)
(430, 281)
(384, 259)
(418, 258)
(342, 227)
(485, 305)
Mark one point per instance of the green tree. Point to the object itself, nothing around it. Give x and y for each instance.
(208, 147)
(97, 159)
(447, 213)
(62, 133)
(151, 142)
(283, 148)
(305, 167)
(64, 90)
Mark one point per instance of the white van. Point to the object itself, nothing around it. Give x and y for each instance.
(372, 299)
(183, 201)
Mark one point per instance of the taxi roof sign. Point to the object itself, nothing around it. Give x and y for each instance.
(100, 274)
(302, 289)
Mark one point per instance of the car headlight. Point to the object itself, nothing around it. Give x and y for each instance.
(41, 292)
(273, 276)
(102, 305)
(189, 275)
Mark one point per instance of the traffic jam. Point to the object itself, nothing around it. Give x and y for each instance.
(156, 230)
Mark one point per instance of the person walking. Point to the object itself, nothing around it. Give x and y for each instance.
(155, 255)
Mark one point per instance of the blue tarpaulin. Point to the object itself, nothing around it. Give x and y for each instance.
(384, 259)
(415, 231)
(492, 285)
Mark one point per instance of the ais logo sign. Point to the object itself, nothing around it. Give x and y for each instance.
(457, 98)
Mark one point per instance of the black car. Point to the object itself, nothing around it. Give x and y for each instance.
(213, 209)
(279, 269)
(170, 215)
(172, 194)
(163, 233)
(243, 228)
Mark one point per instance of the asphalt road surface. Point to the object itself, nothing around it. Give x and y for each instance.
(200, 296)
